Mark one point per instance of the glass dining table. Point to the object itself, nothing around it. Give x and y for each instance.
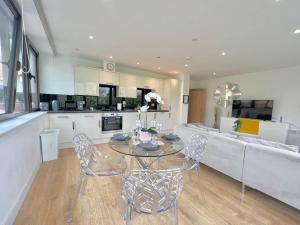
(145, 158)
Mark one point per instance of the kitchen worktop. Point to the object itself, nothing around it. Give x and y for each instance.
(101, 111)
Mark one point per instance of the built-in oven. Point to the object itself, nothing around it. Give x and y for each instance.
(112, 122)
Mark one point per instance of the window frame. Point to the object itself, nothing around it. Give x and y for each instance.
(12, 71)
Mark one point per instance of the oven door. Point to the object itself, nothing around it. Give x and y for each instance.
(111, 123)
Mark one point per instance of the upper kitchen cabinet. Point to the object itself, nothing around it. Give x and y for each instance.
(150, 83)
(109, 78)
(127, 86)
(86, 81)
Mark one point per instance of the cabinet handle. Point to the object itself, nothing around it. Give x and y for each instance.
(73, 125)
(62, 117)
(99, 123)
(89, 116)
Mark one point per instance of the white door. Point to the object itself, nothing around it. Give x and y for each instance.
(89, 124)
(66, 124)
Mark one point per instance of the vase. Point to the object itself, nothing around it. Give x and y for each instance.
(145, 137)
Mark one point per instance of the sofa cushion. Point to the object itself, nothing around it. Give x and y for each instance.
(292, 148)
(201, 126)
(239, 134)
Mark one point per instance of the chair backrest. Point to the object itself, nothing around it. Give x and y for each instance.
(195, 147)
(153, 191)
(84, 148)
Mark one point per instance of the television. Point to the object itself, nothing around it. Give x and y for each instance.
(253, 109)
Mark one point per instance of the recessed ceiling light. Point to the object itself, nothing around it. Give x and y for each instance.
(195, 39)
(223, 53)
(91, 37)
(188, 58)
(214, 73)
(297, 31)
(138, 63)
(111, 57)
(186, 65)
(158, 68)
(277, 0)
(158, 57)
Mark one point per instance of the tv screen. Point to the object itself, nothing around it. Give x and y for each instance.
(254, 109)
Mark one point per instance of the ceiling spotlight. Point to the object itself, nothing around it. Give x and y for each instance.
(214, 73)
(223, 53)
(277, 0)
(186, 65)
(188, 58)
(158, 68)
(91, 37)
(138, 63)
(158, 57)
(297, 31)
(111, 57)
(195, 39)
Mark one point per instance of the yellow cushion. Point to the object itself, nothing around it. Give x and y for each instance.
(249, 126)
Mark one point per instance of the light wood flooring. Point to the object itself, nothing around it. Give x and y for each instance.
(210, 198)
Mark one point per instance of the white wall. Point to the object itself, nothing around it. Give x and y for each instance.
(281, 85)
(20, 159)
(57, 72)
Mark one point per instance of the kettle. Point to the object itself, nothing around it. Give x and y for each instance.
(54, 105)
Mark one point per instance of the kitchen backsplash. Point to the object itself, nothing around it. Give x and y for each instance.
(90, 101)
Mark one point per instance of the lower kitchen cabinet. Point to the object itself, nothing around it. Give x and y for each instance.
(66, 125)
(129, 121)
(88, 123)
(71, 124)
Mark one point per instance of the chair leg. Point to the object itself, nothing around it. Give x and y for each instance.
(175, 213)
(243, 190)
(80, 189)
(129, 215)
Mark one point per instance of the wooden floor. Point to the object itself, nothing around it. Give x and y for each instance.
(207, 199)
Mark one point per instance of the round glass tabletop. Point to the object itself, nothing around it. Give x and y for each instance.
(133, 148)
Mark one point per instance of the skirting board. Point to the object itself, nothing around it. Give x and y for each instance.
(13, 211)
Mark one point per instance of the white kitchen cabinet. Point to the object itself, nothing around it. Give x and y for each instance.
(65, 122)
(165, 119)
(127, 86)
(144, 82)
(86, 81)
(89, 124)
(127, 80)
(157, 86)
(109, 78)
(129, 121)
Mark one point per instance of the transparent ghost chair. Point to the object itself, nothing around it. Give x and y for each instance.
(94, 162)
(152, 192)
(194, 150)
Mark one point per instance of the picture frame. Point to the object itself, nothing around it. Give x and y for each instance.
(185, 99)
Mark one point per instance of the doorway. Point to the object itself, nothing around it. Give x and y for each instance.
(196, 105)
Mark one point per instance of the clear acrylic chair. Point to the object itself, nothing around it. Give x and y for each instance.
(152, 192)
(94, 162)
(194, 150)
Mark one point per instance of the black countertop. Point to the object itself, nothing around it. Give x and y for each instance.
(101, 111)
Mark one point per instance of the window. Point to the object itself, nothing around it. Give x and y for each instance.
(33, 80)
(20, 89)
(7, 33)
(107, 95)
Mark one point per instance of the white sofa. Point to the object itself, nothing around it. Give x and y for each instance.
(271, 170)
(222, 153)
(274, 172)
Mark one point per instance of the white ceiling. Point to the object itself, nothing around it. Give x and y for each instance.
(257, 35)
